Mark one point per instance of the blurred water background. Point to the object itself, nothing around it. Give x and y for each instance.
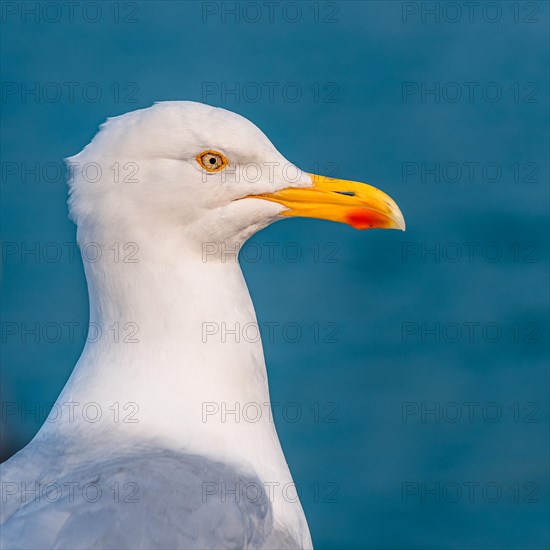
(411, 368)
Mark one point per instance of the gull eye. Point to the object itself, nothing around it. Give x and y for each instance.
(212, 161)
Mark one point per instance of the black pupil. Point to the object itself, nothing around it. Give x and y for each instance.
(212, 160)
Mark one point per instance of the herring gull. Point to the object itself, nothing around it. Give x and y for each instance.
(150, 465)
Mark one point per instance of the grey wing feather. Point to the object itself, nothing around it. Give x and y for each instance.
(155, 500)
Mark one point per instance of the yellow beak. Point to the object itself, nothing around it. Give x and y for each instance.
(357, 204)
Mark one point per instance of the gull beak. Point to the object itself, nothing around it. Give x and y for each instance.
(357, 204)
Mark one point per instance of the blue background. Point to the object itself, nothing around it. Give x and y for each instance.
(358, 55)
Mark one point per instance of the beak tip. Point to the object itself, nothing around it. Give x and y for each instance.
(398, 218)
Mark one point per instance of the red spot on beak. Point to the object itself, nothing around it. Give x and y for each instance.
(363, 218)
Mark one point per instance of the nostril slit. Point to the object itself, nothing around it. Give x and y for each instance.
(348, 193)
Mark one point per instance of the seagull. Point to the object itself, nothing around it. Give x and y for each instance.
(149, 444)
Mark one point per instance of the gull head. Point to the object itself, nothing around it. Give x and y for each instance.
(186, 168)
